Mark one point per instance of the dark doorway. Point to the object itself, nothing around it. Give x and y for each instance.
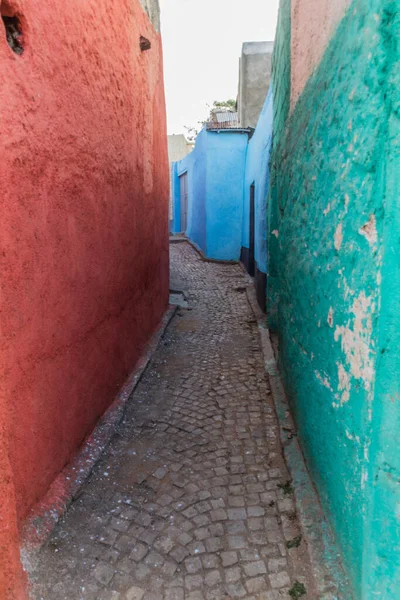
(184, 201)
(251, 263)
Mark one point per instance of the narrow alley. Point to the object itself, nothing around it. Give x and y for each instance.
(191, 500)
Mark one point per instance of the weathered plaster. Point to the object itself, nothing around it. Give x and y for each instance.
(369, 231)
(313, 25)
(333, 273)
(338, 238)
(84, 244)
(152, 9)
(356, 341)
(254, 81)
(12, 578)
(344, 385)
(280, 86)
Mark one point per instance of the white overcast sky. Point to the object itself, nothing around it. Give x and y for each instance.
(202, 42)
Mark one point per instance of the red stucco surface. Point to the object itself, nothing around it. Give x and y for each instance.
(84, 228)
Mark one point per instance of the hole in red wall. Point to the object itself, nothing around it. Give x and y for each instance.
(13, 28)
(145, 44)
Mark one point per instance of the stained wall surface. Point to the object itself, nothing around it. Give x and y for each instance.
(84, 244)
(334, 245)
(312, 28)
(254, 81)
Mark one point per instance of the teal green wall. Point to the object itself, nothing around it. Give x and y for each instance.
(383, 527)
(334, 284)
(280, 84)
(281, 69)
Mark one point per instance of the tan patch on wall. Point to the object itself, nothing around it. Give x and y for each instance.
(313, 25)
(152, 8)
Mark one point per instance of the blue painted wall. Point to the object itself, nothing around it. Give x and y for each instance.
(215, 169)
(220, 171)
(196, 166)
(257, 173)
(226, 160)
(175, 224)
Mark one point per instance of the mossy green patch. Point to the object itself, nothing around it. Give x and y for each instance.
(297, 590)
(286, 487)
(295, 542)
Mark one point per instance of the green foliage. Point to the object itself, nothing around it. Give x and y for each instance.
(286, 487)
(294, 543)
(297, 590)
(231, 104)
(192, 132)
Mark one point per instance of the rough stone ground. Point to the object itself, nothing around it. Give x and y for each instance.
(191, 500)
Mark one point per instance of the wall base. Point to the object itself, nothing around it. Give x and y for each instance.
(329, 576)
(260, 278)
(65, 488)
(245, 258)
(206, 258)
(260, 281)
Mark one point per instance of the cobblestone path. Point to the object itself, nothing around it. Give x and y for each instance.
(191, 500)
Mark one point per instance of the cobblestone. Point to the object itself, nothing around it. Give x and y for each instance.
(187, 502)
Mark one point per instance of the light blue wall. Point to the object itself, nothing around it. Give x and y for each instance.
(215, 171)
(220, 171)
(196, 166)
(257, 172)
(226, 160)
(175, 224)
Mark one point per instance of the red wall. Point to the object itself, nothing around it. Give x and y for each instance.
(84, 224)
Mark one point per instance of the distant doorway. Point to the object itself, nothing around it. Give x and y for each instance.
(184, 201)
(251, 262)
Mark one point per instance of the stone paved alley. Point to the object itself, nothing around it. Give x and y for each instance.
(191, 499)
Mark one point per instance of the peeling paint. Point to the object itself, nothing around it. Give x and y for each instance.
(354, 438)
(275, 233)
(364, 477)
(350, 222)
(356, 341)
(338, 238)
(364, 470)
(327, 209)
(344, 383)
(369, 231)
(324, 380)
